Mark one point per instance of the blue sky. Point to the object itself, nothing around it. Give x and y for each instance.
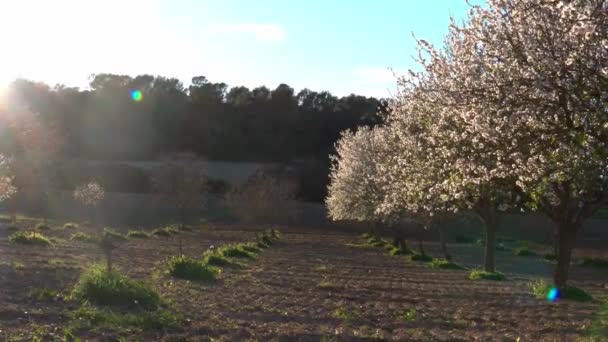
(341, 46)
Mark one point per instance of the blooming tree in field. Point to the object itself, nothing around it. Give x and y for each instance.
(517, 106)
(7, 189)
(89, 195)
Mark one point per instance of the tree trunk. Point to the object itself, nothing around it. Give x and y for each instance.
(555, 242)
(490, 248)
(444, 246)
(567, 241)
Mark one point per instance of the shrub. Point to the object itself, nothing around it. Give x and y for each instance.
(594, 262)
(445, 264)
(188, 268)
(480, 274)
(541, 289)
(161, 232)
(100, 286)
(235, 251)
(524, 251)
(111, 234)
(42, 227)
(138, 234)
(420, 257)
(84, 237)
(29, 238)
(70, 225)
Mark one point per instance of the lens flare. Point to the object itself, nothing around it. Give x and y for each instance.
(136, 95)
(553, 294)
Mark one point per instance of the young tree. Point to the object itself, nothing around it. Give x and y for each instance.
(181, 181)
(90, 195)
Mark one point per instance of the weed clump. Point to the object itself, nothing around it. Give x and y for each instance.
(138, 234)
(111, 234)
(541, 288)
(161, 232)
(40, 227)
(110, 287)
(483, 275)
(408, 315)
(191, 269)
(29, 238)
(235, 251)
(83, 237)
(215, 258)
(70, 225)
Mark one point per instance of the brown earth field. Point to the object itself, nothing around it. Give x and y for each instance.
(311, 285)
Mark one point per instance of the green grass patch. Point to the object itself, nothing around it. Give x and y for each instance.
(83, 237)
(540, 288)
(191, 269)
(43, 294)
(409, 315)
(483, 275)
(111, 234)
(420, 257)
(161, 232)
(445, 264)
(594, 262)
(524, 252)
(100, 286)
(88, 318)
(235, 251)
(251, 247)
(377, 242)
(214, 258)
(138, 234)
(29, 238)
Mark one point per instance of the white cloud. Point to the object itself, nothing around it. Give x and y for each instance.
(262, 32)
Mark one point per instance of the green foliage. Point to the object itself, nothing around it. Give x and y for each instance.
(84, 237)
(251, 247)
(420, 257)
(43, 294)
(483, 275)
(101, 286)
(594, 262)
(274, 234)
(90, 318)
(111, 234)
(408, 315)
(192, 269)
(375, 241)
(525, 252)
(445, 264)
(540, 288)
(235, 251)
(138, 234)
(214, 258)
(29, 238)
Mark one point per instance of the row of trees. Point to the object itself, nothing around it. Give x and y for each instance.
(210, 119)
(511, 114)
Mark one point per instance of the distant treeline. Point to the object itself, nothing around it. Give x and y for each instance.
(210, 119)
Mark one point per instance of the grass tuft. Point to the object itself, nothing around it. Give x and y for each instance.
(326, 285)
(408, 315)
(161, 232)
(398, 251)
(445, 264)
(42, 227)
(540, 288)
(235, 251)
(214, 258)
(83, 237)
(524, 252)
(89, 318)
(483, 275)
(70, 225)
(192, 269)
(29, 238)
(138, 234)
(111, 234)
(100, 286)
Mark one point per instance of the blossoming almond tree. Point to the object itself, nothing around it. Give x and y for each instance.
(523, 84)
(89, 195)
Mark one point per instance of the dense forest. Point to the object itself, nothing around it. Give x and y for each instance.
(210, 119)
